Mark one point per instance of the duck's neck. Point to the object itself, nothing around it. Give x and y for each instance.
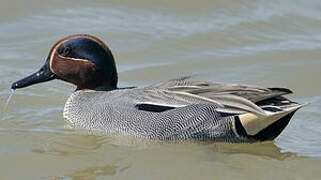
(106, 86)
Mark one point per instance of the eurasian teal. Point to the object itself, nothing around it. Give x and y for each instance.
(178, 109)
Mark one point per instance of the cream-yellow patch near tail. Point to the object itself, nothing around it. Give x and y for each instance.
(253, 124)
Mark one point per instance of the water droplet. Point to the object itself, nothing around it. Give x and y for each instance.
(12, 91)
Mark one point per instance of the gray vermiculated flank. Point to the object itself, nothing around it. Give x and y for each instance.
(199, 121)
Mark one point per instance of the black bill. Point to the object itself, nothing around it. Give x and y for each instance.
(44, 74)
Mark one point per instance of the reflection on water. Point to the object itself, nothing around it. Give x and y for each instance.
(266, 149)
(269, 43)
(71, 145)
(88, 173)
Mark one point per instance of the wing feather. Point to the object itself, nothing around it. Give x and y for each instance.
(230, 98)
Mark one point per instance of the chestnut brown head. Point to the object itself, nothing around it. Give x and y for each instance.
(80, 59)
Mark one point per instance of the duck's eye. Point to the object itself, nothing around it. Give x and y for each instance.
(64, 51)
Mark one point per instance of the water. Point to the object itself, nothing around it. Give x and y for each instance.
(7, 104)
(268, 43)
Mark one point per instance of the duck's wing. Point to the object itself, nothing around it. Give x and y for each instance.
(207, 89)
(230, 98)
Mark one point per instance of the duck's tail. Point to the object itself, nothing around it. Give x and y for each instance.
(278, 111)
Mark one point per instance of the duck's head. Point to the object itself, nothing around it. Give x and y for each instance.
(80, 59)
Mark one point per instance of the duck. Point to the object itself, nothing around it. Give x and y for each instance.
(174, 110)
